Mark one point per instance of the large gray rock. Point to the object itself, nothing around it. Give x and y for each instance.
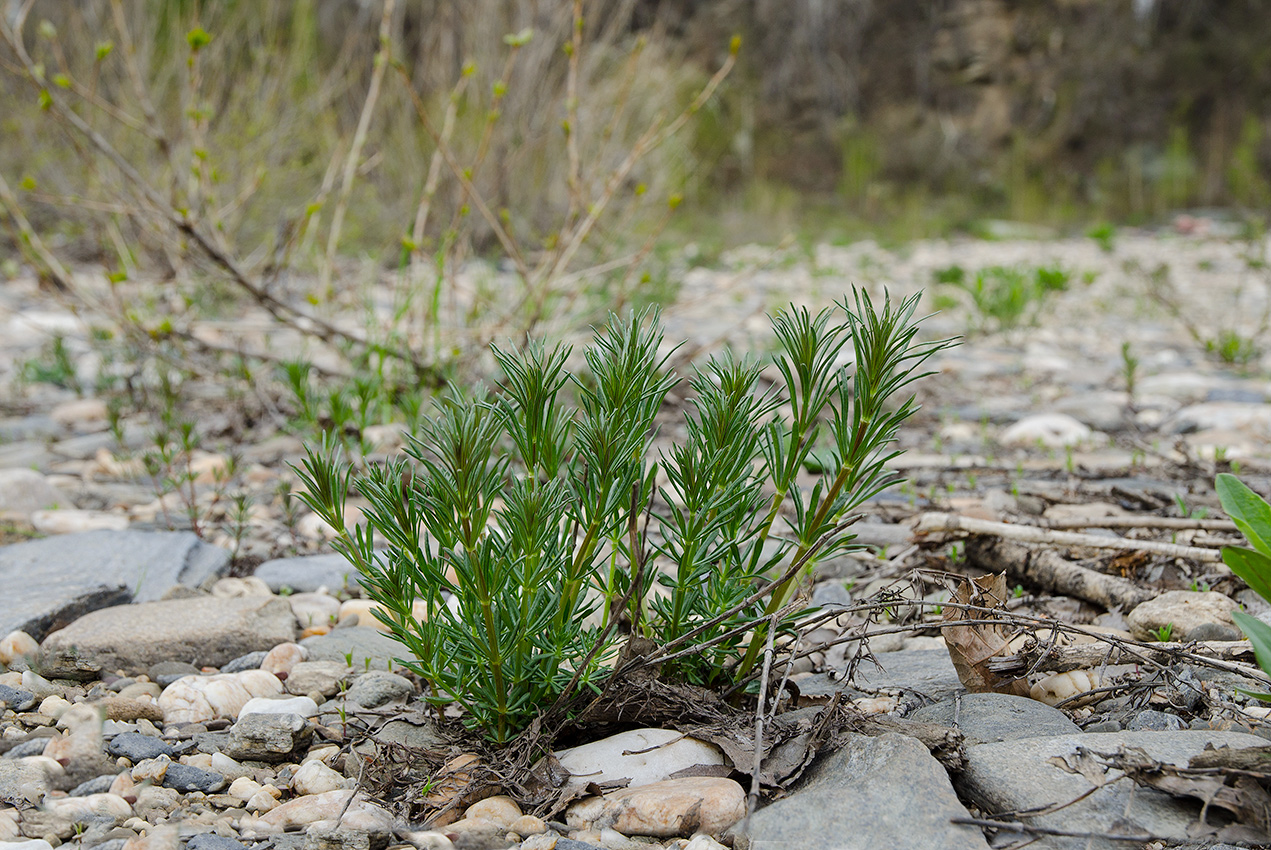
(22, 783)
(1018, 775)
(874, 792)
(205, 631)
(357, 643)
(984, 718)
(307, 574)
(51, 582)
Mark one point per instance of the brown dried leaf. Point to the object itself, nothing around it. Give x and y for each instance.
(971, 644)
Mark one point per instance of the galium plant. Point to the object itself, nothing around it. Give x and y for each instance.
(520, 543)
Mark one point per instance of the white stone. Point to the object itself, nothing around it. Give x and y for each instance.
(314, 777)
(1182, 612)
(32, 844)
(304, 706)
(1051, 430)
(1061, 686)
(1223, 416)
(84, 737)
(91, 804)
(664, 809)
(262, 801)
(194, 699)
(642, 756)
(71, 521)
(54, 706)
(314, 609)
(316, 809)
(233, 588)
(243, 788)
(499, 810)
(82, 414)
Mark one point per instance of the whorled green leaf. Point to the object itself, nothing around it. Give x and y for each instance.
(1249, 511)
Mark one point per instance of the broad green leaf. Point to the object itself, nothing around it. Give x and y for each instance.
(1253, 567)
(1259, 634)
(1248, 510)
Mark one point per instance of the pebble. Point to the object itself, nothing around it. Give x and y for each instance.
(1182, 612)
(641, 756)
(137, 747)
(314, 777)
(267, 737)
(1049, 430)
(304, 706)
(16, 698)
(250, 661)
(193, 699)
(377, 687)
(668, 808)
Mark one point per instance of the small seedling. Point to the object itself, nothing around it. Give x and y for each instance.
(1199, 587)
(1018, 591)
(1165, 633)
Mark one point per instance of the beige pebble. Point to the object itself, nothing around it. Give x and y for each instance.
(243, 788)
(17, 645)
(203, 761)
(433, 840)
(262, 801)
(235, 588)
(283, 657)
(540, 841)
(156, 838)
(151, 770)
(527, 825)
(314, 777)
(499, 810)
(71, 521)
(668, 808)
(127, 709)
(81, 414)
(1062, 686)
(194, 699)
(54, 706)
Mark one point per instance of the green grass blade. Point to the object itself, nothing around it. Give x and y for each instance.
(1259, 634)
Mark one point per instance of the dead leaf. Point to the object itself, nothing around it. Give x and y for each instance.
(971, 645)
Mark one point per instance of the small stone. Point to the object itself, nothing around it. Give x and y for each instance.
(54, 706)
(322, 677)
(33, 747)
(267, 737)
(527, 825)
(70, 521)
(17, 646)
(498, 810)
(642, 756)
(96, 785)
(154, 802)
(377, 687)
(997, 717)
(84, 415)
(212, 841)
(309, 573)
(314, 609)
(1156, 721)
(314, 777)
(262, 801)
(316, 808)
(83, 740)
(151, 770)
(283, 657)
(304, 706)
(16, 698)
(668, 808)
(1182, 612)
(250, 661)
(244, 788)
(236, 588)
(158, 838)
(186, 778)
(22, 781)
(354, 646)
(166, 672)
(195, 699)
(1051, 430)
(126, 710)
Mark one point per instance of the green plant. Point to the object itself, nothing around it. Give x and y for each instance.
(536, 517)
(1005, 297)
(1199, 586)
(1104, 235)
(1018, 591)
(1165, 633)
(1252, 515)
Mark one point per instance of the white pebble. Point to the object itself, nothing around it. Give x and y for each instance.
(17, 645)
(314, 777)
(304, 706)
(243, 788)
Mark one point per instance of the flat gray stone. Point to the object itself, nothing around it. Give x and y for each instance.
(203, 631)
(25, 490)
(925, 671)
(1017, 775)
(362, 641)
(984, 718)
(307, 574)
(377, 687)
(50, 583)
(852, 799)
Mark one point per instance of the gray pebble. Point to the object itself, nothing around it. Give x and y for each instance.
(1155, 721)
(570, 844)
(121, 683)
(34, 747)
(165, 673)
(97, 785)
(212, 841)
(1214, 631)
(373, 689)
(111, 844)
(1104, 726)
(250, 661)
(137, 747)
(16, 698)
(183, 777)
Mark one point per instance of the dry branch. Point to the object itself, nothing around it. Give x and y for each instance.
(1045, 569)
(1170, 523)
(941, 522)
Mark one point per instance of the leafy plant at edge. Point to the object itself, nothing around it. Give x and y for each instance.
(1252, 515)
(521, 529)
